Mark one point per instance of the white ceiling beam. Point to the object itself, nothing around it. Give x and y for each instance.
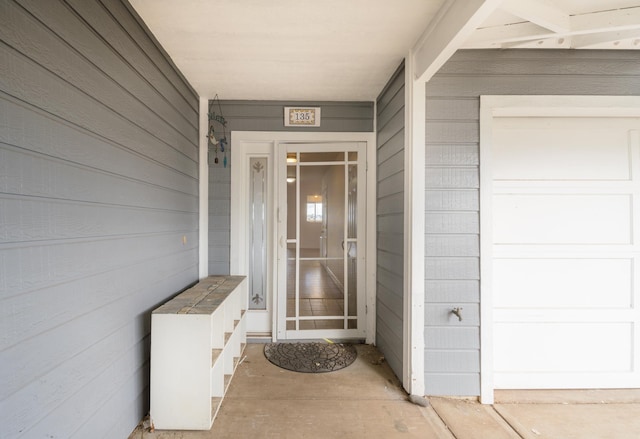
(547, 43)
(598, 22)
(590, 40)
(541, 13)
(509, 33)
(447, 32)
(606, 21)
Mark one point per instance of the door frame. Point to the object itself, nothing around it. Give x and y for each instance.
(241, 144)
(521, 105)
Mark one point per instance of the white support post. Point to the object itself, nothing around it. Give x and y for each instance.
(413, 349)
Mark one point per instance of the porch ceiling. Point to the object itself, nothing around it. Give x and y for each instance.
(347, 49)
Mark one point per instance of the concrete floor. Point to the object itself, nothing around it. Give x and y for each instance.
(366, 400)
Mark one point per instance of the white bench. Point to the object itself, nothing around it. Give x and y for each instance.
(197, 339)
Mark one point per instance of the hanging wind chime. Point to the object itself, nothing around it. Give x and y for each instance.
(214, 143)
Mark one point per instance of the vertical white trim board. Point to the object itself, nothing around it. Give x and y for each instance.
(414, 208)
(521, 106)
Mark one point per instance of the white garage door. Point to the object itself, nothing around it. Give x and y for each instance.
(566, 252)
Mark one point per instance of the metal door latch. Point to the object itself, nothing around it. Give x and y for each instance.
(458, 313)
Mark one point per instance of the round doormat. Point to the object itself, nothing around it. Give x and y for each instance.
(310, 357)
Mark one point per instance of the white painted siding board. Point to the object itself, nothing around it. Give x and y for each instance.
(443, 154)
(452, 200)
(452, 222)
(455, 384)
(452, 291)
(454, 361)
(452, 177)
(452, 267)
(444, 336)
(452, 245)
(441, 132)
(453, 109)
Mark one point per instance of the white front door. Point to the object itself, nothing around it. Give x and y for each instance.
(321, 254)
(565, 251)
(308, 237)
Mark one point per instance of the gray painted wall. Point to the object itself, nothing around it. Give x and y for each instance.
(264, 116)
(98, 189)
(452, 266)
(390, 220)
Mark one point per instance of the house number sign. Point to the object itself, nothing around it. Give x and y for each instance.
(301, 117)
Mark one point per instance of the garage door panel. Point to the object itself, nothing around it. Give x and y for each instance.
(563, 283)
(563, 347)
(563, 253)
(562, 219)
(561, 149)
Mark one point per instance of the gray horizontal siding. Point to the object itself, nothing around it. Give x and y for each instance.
(264, 116)
(452, 181)
(390, 221)
(98, 213)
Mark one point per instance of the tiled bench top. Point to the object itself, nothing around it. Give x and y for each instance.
(203, 298)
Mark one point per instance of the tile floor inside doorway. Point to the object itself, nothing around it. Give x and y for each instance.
(320, 296)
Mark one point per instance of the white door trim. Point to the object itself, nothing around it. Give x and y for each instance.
(504, 106)
(238, 263)
(203, 189)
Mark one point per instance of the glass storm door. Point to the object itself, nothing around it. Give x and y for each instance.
(321, 263)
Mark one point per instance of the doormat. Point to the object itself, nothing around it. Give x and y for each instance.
(310, 357)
